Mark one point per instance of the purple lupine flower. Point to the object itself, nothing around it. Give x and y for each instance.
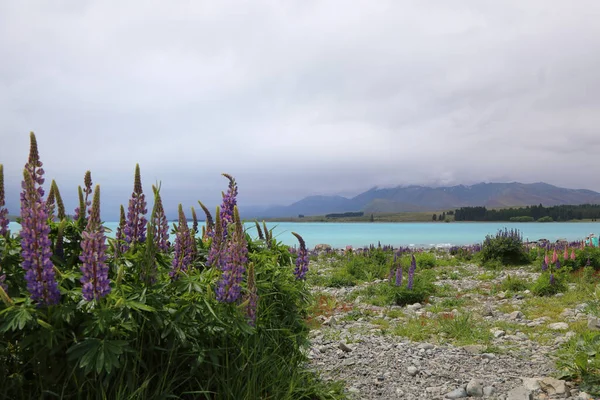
(84, 197)
(552, 281)
(210, 226)
(557, 264)
(120, 247)
(77, 216)
(228, 204)
(544, 265)
(135, 227)
(252, 297)
(215, 256)
(399, 276)
(60, 206)
(411, 272)
(159, 220)
(35, 241)
(234, 263)
(194, 221)
(183, 256)
(3, 210)
(95, 280)
(302, 259)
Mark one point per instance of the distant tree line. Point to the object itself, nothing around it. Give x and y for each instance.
(529, 213)
(345, 215)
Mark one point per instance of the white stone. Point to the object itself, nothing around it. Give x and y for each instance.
(558, 326)
(475, 388)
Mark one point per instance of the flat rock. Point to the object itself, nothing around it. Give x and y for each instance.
(474, 348)
(344, 347)
(554, 386)
(593, 323)
(475, 388)
(457, 394)
(412, 370)
(531, 383)
(489, 390)
(558, 326)
(519, 393)
(515, 315)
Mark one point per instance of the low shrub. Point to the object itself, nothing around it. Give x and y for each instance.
(549, 284)
(506, 247)
(579, 360)
(514, 284)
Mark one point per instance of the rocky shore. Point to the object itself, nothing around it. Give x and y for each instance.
(356, 343)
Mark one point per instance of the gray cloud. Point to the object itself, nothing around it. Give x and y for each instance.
(301, 97)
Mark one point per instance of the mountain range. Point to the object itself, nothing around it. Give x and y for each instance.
(423, 198)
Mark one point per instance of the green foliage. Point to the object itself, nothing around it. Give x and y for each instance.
(385, 293)
(546, 219)
(543, 286)
(156, 339)
(579, 360)
(521, 219)
(513, 284)
(506, 247)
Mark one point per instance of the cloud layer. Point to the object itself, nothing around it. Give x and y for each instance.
(299, 97)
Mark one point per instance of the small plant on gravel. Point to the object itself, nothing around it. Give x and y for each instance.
(506, 247)
(579, 360)
(514, 284)
(549, 284)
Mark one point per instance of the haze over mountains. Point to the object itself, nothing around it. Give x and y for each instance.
(422, 198)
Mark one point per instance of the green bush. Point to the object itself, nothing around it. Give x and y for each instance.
(386, 294)
(340, 279)
(544, 287)
(506, 247)
(521, 219)
(545, 219)
(159, 332)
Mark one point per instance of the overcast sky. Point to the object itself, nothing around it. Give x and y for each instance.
(299, 97)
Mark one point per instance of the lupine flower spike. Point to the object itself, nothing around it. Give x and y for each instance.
(209, 220)
(215, 254)
(554, 256)
(194, 221)
(60, 206)
(3, 210)
(233, 266)
(259, 231)
(35, 243)
(182, 258)
(159, 220)
(557, 264)
(135, 227)
(96, 284)
(566, 253)
(228, 204)
(544, 265)
(546, 259)
(302, 259)
(120, 235)
(573, 256)
(399, 276)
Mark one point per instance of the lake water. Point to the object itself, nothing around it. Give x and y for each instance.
(422, 234)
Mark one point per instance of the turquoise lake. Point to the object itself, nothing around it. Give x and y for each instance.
(423, 234)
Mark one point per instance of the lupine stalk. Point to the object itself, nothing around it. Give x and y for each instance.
(544, 265)
(215, 254)
(399, 276)
(552, 281)
(96, 284)
(209, 220)
(546, 259)
(302, 259)
(566, 253)
(251, 308)
(234, 265)
(194, 221)
(84, 198)
(59, 250)
(411, 273)
(573, 256)
(554, 256)
(557, 264)
(51, 203)
(3, 210)
(159, 220)
(183, 257)
(120, 235)
(228, 204)
(260, 232)
(135, 228)
(35, 241)
(60, 206)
